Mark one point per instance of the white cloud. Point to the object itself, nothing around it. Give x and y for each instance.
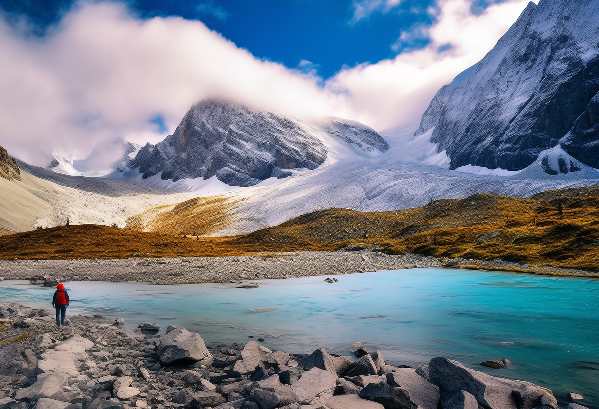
(102, 73)
(364, 8)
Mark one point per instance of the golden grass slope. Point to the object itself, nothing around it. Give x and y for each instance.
(201, 216)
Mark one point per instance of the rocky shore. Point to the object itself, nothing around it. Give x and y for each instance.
(94, 364)
(188, 270)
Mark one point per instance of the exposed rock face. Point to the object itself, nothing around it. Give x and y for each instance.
(242, 147)
(9, 169)
(538, 87)
(492, 392)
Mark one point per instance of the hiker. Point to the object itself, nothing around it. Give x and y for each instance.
(60, 301)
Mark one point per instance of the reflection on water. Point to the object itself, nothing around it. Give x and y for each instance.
(546, 326)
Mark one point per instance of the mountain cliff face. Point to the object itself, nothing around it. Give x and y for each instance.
(539, 87)
(242, 147)
(9, 169)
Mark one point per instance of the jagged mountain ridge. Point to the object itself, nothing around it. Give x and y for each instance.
(242, 147)
(538, 87)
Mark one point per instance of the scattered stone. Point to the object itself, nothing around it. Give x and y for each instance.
(149, 327)
(496, 363)
(248, 285)
(331, 280)
(573, 397)
(122, 388)
(573, 405)
(121, 321)
(252, 355)
(180, 347)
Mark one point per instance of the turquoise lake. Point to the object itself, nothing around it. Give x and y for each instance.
(548, 327)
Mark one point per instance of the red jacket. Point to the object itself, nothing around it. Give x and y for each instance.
(60, 298)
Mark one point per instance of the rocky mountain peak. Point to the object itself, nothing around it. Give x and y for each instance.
(9, 169)
(526, 94)
(242, 146)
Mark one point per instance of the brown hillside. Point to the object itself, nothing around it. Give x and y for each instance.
(560, 228)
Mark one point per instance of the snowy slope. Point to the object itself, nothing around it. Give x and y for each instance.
(526, 94)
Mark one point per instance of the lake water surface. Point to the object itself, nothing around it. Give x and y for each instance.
(547, 326)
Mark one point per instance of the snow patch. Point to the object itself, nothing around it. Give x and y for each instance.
(479, 170)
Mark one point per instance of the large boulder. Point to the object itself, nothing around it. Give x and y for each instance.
(363, 366)
(314, 383)
(492, 392)
(388, 396)
(460, 400)
(321, 359)
(423, 393)
(181, 347)
(252, 355)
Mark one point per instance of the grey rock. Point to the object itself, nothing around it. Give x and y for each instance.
(388, 396)
(345, 387)
(363, 380)
(363, 366)
(351, 402)
(280, 357)
(119, 321)
(45, 386)
(252, 355)
(378, 360)
(422, 393)
(183, 397)
(321, 359)
(149, 327)
(122, 388)
(46, 403)
(459, 400)
(266, 399)
(208, 398)
(289, 376)
(452, 377)
(496, 363)
(422, 370)
(180, 347)
(573, 397)
(314, 383)
(573, 405)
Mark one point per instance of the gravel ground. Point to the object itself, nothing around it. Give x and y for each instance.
(189, 270)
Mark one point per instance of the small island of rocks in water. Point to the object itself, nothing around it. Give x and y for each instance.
(93, 363)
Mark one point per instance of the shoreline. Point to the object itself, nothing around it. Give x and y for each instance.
(94, 363)
(235, 269)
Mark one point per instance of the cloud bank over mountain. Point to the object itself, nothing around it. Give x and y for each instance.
(102, 72)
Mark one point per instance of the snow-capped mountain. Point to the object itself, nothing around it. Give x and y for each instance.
(242, 147)
(538, 87)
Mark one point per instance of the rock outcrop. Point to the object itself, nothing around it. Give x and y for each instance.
(9, 169)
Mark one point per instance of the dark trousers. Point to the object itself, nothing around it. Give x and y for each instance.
(61, 311)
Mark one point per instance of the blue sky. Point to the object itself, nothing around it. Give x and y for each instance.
(321, 35)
